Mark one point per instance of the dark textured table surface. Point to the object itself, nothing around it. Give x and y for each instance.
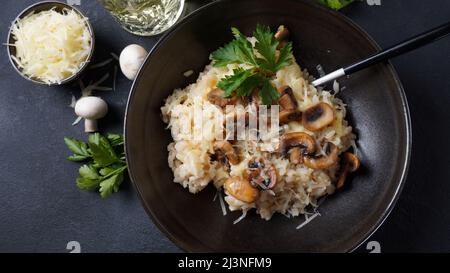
(41, 209)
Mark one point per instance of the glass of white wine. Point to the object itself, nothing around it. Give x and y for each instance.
(145, 17)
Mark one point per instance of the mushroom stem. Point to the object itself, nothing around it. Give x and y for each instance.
(90, 125)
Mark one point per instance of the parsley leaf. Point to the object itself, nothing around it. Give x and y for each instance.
(285, 57)
(102, 151)
(335, 4)
(266, 45)
(88, 171)
(268, 92)
(110, 185)
(239, 50)
(225, 55)
(244, 48)
(249, 85)
(230, 83)
(87, 184)
(105, 162)
(79, 148)
(106, 171)
(262, 68)
(77, 157)
(115, 139)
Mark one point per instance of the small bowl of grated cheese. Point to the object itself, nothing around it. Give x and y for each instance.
(50, 43)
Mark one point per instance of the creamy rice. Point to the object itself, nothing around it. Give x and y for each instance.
(297, 185)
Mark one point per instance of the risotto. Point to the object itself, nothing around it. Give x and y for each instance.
(285, 170)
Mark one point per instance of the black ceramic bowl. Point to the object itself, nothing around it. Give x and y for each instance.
(377, 110)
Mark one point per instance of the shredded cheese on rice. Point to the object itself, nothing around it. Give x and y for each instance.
(297, 185)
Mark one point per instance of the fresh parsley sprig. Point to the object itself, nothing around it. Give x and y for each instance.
(335, 4)
(263, 65)
(104, 159)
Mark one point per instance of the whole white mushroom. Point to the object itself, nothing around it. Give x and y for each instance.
(91, 108)
(131, 59)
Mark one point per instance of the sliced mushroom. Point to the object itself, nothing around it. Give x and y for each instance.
(350, 163)
(216, 97)
(287, 100)
(262, 173)
(323, 161)
(282, 33)
(241, 189)
(286, 116)
(227, 149)
(318, 116)
(297, 139)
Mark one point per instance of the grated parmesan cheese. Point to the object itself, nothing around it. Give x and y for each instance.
(222, 204)
(51, 46)
(308, 219)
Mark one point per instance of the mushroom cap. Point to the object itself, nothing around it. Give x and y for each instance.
(286, 116)
(216, 96)
(323, 161)
(241, 189)
(262, 173)
(297, 139)
(131, 59)
(227, 149)
(350, 163)
(91, 107)
(287, 99)
(351, 160)
(318, 116)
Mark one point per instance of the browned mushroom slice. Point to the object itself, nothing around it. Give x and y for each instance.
(286, 116)
(282, 33)
(287, 100)
(262, 173)
(323, 161)
(216, 97)
(318, 116)
(299, 144)
(227, 149)
(350, 163)
(241, 189)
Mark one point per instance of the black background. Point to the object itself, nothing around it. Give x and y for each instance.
(41, 209)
